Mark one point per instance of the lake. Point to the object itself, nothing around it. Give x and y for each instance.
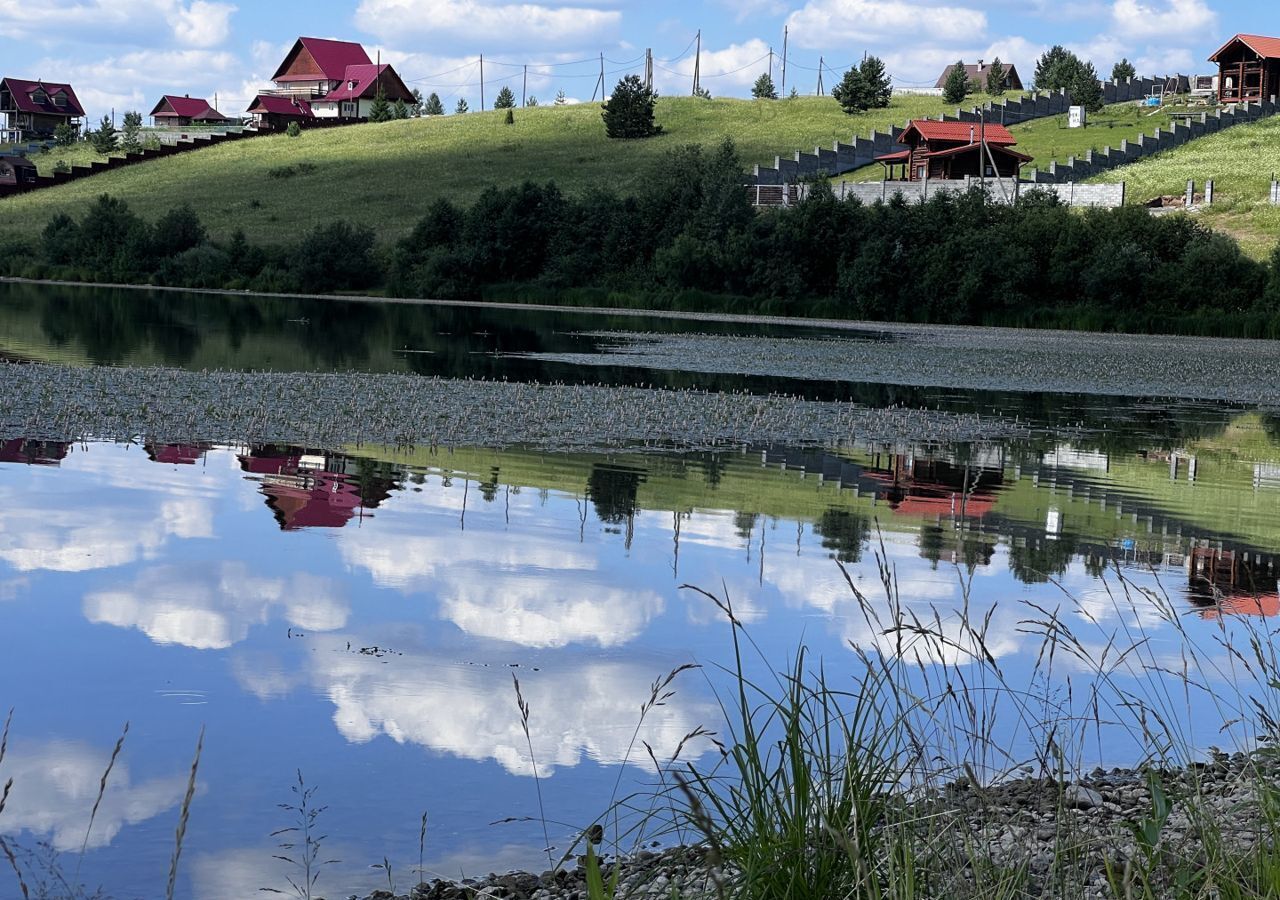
(364, 612)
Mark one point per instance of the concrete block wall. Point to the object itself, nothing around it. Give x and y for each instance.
(1004, 190)
(1179, 133)
(861, 152)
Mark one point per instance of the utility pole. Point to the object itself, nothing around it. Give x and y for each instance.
(524, 88)
(821, 63)
(771, 63)
(786, 33)
(481, 82)
(648, 68)
(697, 67)
(602, 76)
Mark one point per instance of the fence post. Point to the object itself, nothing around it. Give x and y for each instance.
(1208, 192)
(1191, 192)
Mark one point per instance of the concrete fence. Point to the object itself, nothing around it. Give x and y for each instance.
(862, 151)
(1099, 161)
(1004, 190)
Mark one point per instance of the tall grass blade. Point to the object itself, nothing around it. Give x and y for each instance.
(181, 833)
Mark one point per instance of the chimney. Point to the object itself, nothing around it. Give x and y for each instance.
(979, 65)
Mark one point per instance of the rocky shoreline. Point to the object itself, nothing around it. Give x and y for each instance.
(1051, 832)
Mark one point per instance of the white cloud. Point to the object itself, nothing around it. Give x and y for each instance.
(213, 606)
(55, 785)
(450, 20)
(735, 66)
(200, 23)
(1163, 18)
(871, 24)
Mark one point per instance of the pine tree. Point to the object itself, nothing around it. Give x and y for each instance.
(763, 89)
(795, 94)
(432, 105)
(1123, 71)
(462, 107)
(415, 108)
(878, 83)
(852, 93)
(532, 101)
(702, 93)
(996, 76)
(506, 99)
(1050, 74)
(401, 109)
(380, 111)
(131, 139)
(561, 99)
(105, 139)
(956, 87)
(628, 113)
(1084, 87)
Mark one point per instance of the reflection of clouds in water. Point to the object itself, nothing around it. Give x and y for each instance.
(470, 711)
(10, 588)
(55, 785)
(546, 610)
(213, 605)
(264, 675)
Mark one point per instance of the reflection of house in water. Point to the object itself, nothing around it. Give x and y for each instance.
(935, 488)
(316, 490)
(33, 453)
(1232, 582)
(176, 454)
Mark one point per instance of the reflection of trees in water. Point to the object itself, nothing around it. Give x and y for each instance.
(959, 547)
(745, 523)
(844, 532)
(375, 480)
(1040, 559)
(613, 490)
(489, 487)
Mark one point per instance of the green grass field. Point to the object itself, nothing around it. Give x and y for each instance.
(386, 175)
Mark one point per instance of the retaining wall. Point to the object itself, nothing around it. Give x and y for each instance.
(862, 151)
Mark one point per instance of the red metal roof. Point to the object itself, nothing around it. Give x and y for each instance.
(958, 131)
(186, 108)
(366, 80)
(965, 148)
(1266, 47)
(24, 91)
(332, 57)
(281, 106)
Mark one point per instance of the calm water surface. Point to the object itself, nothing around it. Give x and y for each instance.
(358, 614)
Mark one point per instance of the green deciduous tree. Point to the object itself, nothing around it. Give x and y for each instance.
(106, 139)
(763, 89)
(1123, 71)
(956, 86)
(65, 134)
(506, 99)
(996, 75)
(628, 113)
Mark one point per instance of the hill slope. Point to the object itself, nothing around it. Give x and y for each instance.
(385, 175)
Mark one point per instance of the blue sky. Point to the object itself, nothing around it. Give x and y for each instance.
(124, 54)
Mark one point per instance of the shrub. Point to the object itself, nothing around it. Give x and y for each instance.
(65, 134)
(61, 167)
(628, 113)
(294, 130)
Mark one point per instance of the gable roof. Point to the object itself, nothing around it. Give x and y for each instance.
(331, 57)
(979, 71)
(1266, 47)
(280, 106)
(24, 97)
(964, 132)
(362, 82)
(186, 107)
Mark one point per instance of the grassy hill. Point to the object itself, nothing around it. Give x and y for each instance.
(1240, 160)
(385, 175)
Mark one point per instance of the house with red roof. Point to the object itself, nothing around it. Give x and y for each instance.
(953, 150)
(981, 72)
(323, 79)
(33, 109)
(186, 110)
(1248, 68)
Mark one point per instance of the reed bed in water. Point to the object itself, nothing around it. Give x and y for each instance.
(330, 410)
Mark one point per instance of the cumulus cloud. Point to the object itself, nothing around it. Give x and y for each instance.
(870, 24)
(1150, 19)
(54, 787)
(200, 23)
(450, 20)
(212, 606)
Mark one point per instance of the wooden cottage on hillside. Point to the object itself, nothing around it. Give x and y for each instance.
(1248, 68)
(17, 170)
(187, 110)
(953, 150)
(978, 75)
(33, 109)
(332, 80)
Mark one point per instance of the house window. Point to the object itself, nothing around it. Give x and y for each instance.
(922, 173)
(40, 97)
(60, 100)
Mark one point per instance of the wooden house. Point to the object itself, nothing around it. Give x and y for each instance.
(334, 80)
(271, 113)
(1248, 68)
(978, 75)
(33, 109)
(953, 150)
(17, 170)
(187, 110)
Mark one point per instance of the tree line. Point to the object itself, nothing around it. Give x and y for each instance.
(692, 240)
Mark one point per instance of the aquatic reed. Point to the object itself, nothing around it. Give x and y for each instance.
(183, 816)
(102, 790)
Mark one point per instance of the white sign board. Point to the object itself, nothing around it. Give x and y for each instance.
(1076, 117)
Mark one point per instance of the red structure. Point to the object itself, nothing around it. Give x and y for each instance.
(36, 108)
(1248, 68)
(275, 113)
(953, 150)
(181, 111)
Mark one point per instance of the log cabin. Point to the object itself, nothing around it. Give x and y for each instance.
(33, 109)
(953, 150)
(1248, 68)
(978, 75)
(186, 110)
